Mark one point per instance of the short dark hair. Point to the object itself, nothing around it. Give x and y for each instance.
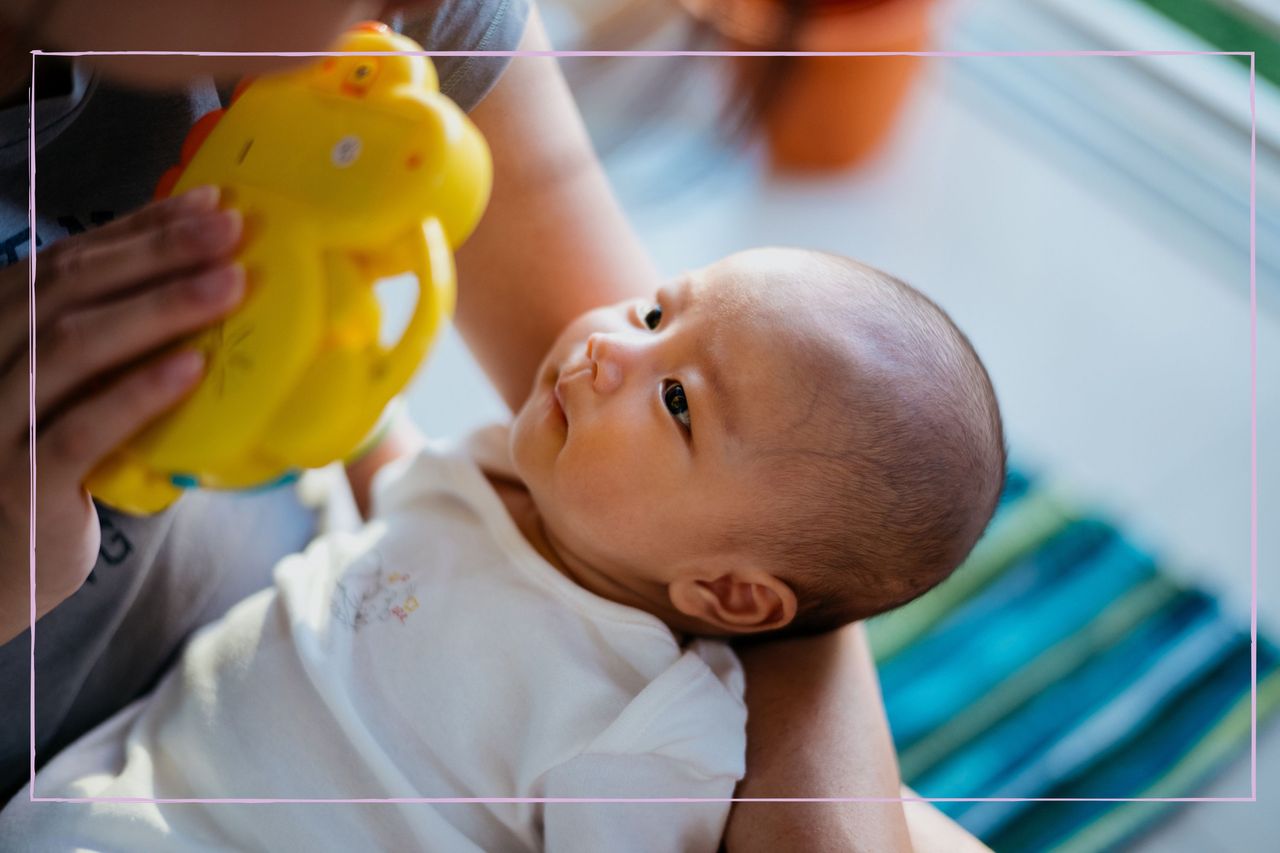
(896, 471)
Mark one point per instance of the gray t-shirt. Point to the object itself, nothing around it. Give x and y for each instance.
(100, 149)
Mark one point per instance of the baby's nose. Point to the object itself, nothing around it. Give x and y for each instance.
(606, 355)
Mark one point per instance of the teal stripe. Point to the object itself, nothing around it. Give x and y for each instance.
(1195, 713)
(1038, 676)
(1108, 727)
(1006, 632)
(1021, 740)
(1214, 750)
(1060, 662)
(1072, 545)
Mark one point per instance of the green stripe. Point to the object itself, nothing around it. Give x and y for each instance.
(1016, 531)
(1225, 29)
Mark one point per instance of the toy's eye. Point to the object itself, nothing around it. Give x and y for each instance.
(362, 74)
(653, 317)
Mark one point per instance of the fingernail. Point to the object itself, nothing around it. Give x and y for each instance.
(215, 230)
(224, 229)
(220, 286)
(182, 368)
(201, 198)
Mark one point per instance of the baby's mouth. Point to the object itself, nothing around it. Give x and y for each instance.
(557, 395)
(564, 374)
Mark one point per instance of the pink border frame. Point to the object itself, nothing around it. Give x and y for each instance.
(1253, 422)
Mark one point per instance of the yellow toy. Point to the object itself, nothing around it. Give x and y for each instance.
(347, 171)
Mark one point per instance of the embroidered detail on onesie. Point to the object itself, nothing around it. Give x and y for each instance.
(366, 593)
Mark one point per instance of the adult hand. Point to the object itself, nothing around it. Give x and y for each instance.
(110, 304)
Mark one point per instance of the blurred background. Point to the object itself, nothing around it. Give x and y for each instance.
(1086, 221)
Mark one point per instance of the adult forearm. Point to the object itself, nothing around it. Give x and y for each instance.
(816, 728)
(554, 241)
(402, 438)
(934, 832)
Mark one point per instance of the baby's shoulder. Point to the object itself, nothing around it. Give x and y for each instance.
(693, 712)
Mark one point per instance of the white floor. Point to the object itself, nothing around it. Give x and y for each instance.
(1121, 356)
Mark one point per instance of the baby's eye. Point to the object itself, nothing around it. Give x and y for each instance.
(653, 317)
(677, 404)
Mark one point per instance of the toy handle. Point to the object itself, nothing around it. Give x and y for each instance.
(431, 260)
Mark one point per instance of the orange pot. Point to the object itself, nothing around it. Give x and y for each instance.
(830, 112)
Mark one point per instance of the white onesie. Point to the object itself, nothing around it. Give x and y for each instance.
(432, 654)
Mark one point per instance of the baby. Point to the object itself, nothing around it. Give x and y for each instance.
(785, 441)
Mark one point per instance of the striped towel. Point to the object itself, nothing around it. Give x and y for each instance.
(1060, 661)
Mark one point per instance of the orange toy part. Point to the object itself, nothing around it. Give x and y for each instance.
(244, 83)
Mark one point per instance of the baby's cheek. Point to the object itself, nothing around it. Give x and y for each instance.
(607, 493)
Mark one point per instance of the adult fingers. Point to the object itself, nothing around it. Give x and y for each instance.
(98, 339)
(170, 236)
(82, 436)
(195, 200)
(199, 200)
(80, 270)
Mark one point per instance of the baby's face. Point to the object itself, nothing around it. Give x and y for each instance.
(642, 437)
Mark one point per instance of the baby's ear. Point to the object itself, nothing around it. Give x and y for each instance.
(737, 602)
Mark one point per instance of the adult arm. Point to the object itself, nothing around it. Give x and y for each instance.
(554, 241)
(816, 728)
(934, 832)
(402, 438)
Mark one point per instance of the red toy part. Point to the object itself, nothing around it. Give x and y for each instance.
(198, 133)
(164, 188)
(195, 138)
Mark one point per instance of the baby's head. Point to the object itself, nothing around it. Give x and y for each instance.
(784, 440)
